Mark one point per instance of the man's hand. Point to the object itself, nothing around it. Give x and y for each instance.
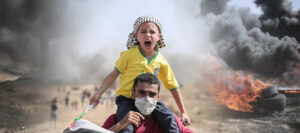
(185, 119)
(132, 117)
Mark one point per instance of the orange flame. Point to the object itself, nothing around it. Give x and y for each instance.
(292, 91)
(234, 90)
(237, 92)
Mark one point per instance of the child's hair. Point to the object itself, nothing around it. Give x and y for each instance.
(132, 41)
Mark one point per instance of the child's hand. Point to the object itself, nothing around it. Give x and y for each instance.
(185, 119)
(95, 99)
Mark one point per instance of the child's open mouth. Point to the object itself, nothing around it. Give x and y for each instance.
(147, 44)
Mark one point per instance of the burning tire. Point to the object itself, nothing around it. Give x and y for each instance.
(269, 92)
(275, 103)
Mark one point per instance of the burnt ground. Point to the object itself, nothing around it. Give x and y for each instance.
(209, 116)
(24, 107)
(21, 103)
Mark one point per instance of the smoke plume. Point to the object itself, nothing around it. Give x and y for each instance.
(39, 37)
(265, 44)
(279, 19)
(78, 40)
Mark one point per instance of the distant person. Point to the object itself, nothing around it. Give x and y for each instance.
(88, 94)
(181, 84)
(96, 88)
(67, 98)
(83, 95)
(74, 104)
(54, 108)
(110, 97)
(143, 56)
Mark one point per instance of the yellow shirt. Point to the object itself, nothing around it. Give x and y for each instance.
(132, 63)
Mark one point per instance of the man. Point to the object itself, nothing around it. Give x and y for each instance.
(145, 96)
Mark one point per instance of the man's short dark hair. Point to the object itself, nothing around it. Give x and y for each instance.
(146, 78)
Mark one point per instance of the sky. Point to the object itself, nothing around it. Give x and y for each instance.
(119, 17)
(108, 23)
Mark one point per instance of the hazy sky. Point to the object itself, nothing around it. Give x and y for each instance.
(102, 27)
(108, 23)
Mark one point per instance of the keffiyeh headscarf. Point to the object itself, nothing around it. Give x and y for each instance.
(132, 41)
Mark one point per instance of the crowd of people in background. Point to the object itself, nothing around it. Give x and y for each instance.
(71, 100)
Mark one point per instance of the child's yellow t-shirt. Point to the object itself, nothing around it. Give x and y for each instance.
(133, 62)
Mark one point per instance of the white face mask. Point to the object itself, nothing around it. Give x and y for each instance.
(145, 104)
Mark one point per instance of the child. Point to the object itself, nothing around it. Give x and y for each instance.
(143, 56)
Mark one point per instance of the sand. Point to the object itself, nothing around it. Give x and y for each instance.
(25, 108)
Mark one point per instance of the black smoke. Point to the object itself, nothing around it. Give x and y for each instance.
(37, 37)
(243, 41)
(213, 6)
(279, 19)
(26, 27)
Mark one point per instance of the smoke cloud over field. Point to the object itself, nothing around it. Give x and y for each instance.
(80, 40)
(266, 44)
(46, 37)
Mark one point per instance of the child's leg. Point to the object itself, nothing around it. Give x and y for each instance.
(165, 118)
(124, 106)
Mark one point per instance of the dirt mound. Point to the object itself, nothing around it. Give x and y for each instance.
(21, 101)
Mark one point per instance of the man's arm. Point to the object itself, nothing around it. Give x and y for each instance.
(132, 117)
(178, 99)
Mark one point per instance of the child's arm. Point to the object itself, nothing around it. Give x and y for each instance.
(104, 86)
(178, 98)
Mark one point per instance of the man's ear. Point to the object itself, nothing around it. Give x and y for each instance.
(133, 94)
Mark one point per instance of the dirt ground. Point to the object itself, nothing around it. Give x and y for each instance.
(25, 108)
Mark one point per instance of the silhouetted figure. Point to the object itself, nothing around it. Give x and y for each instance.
(74, 104)
(54, 108)
(83, 95)
(67, 98)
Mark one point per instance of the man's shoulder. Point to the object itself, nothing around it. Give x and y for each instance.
(148, 125)
(110, 121)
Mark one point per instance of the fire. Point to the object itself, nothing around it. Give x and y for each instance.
(235, 91)
(292, 91)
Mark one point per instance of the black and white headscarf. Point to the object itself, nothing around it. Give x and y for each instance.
(132, 41)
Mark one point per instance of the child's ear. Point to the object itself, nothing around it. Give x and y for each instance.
(135, 35)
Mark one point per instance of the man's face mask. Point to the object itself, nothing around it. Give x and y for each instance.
(145, 104)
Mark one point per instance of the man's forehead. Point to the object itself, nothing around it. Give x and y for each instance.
(147, 87)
